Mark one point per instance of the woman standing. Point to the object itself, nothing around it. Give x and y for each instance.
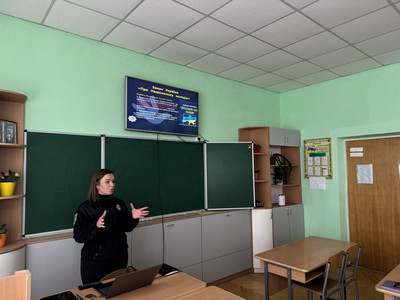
(100, 223)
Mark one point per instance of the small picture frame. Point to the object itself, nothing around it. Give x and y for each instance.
(8, 132)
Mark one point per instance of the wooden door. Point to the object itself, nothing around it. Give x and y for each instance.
(374, 208)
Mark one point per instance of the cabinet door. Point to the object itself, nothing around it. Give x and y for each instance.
(277, 136)
(280, 221)
(296, 214)
(225, 233)
(262, 232)
(284, 137)
(183, 242)
(292, 138)
(147, 246)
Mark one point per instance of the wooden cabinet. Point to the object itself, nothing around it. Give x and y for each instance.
(288, 224)
(11, 158)
(260, 136)
(284, 137)
(283, 141)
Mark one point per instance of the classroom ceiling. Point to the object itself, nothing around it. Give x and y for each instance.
(278, 45)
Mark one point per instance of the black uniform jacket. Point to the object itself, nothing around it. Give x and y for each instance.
(103, 243)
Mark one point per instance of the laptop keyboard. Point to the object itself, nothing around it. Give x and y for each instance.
(105, 289)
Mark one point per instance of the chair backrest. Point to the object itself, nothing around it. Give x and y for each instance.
(16, 287)
(353, 255)
(337, 261)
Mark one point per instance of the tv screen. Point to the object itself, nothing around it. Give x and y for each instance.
(155, 107)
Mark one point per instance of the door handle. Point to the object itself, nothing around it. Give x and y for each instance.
(170, 225)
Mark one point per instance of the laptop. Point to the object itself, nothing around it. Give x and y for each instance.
(128, 282)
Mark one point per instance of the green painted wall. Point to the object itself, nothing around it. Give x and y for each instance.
(354, 107)
(76, 85)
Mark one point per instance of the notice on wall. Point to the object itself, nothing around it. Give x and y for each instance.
(317, 158)
(317, 183)
(365, 174)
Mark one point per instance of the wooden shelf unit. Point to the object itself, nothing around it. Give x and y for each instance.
(264, 184)
(260, 136)
(12, 108)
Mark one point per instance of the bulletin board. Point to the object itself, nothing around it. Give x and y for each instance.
(318, 158)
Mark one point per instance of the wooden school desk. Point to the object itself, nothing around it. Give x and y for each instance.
(394, 275)
(176, 286)
(302, 260)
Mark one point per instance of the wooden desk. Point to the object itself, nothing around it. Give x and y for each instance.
(211, 292)
(393, 275)
(170, 287)
(302, 260)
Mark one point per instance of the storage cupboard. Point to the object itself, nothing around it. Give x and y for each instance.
(12, 107)
(288, 224)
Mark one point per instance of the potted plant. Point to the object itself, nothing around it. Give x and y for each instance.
(284, 168)
(7, 182)
(3, 235)
(257, 148)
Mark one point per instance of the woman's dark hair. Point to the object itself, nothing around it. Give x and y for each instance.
(93, 194)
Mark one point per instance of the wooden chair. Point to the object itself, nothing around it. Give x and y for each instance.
(16, 287)
(324, 285)
(350, 274)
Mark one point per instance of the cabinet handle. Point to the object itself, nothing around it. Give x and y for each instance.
(228, 215)
(290, 211)
(170, 225)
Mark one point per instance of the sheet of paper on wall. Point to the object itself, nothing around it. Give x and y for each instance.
(324, 161)
(310, 161)
(317, 183)
(365, 174)
(317, 161)
(324, 171)
(317, 171)
(310, 171)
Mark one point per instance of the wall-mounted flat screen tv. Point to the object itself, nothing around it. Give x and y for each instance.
(155, 107)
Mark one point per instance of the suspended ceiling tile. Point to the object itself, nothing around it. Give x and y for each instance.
(300, 3)
(265, 80)
(388, 58)
(384, 43)
(330, 13)
(298, 70)
(78, 20)
(241, 73)
(367, 27)
(316, 45)
(252, 15)
(178, 52)
(288, 30)
(205, 7)
(165, 17)
(31, 10)
(285, 86)
(135, 38)
(317, 77)
(274, 60)
(213, 63)
(356, 67)
(115, 8)
(245, 49)
(209, 34)
(338, 57)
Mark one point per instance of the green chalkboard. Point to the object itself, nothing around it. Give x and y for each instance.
(229, 175)
(58, 172)
(166, 176)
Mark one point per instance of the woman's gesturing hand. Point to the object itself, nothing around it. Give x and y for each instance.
(100, 221)
(139, 213)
